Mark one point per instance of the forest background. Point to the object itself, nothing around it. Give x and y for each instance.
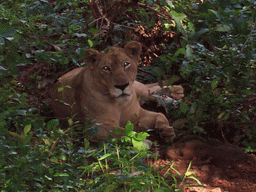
(206, 46)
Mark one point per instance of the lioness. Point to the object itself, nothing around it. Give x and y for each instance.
(104, 90)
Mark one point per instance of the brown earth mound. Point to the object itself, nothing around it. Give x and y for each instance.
(219, 166)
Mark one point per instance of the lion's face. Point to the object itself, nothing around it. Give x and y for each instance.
(115, 71)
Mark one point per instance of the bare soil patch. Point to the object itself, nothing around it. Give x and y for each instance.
(219, 166)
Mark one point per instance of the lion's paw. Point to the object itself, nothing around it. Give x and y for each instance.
(164, 128)
(168, 132)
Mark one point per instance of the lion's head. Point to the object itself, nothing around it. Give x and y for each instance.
(115, 71)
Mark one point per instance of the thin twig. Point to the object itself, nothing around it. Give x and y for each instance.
(95, 21)
(55, 143)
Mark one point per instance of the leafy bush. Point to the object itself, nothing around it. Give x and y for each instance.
(215, 62)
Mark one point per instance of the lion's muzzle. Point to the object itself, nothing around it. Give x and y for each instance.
(121, 90)
(122, 86)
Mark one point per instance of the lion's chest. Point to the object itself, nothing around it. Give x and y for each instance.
(129, 111)
(113, 111)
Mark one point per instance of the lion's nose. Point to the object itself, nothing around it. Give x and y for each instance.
(122, 86)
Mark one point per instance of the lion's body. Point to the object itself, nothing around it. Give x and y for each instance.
(104, 91)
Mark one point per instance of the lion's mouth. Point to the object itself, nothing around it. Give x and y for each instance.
(124, 95)
(117, 93)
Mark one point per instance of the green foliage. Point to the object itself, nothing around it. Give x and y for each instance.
(216, 65)
(136, 139)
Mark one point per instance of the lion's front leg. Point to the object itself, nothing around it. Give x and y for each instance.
(153, 120)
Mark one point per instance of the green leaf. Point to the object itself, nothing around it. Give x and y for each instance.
(80, 34)
(178, 52)
(246, 91)
(193, 177)
(118, 131)
(6, 31)
(27, 129)
(74, 28)
(178, 17)
(242, 27)
(244, 113)
(52, 124)
(213, 15)
(150, 2)
(70, 121)
(90, 43)
(223, 28)
(139, 145)
(93, 30)
(142, 136)
(63, 157)
(111, 137)
(86, 144)
(214, 83)
(221, 115)
(197, 129)
(200, 33)
(225, 47)
(27, 138)
(14, 134)
(47, 142)
(159, 190)
(21, 112)
(189, 52)
(61, 175)
(49, 178)
(226, 116)
(68, 86)
(110, 187)
(60, 89)
(128, 128)
(104, 156)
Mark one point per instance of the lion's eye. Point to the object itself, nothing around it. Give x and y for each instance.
(126, 64)
(106, 68)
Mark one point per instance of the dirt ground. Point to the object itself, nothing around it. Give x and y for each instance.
(219, 166)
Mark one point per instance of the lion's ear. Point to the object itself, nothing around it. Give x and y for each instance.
(133, 49)
(91, 56)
